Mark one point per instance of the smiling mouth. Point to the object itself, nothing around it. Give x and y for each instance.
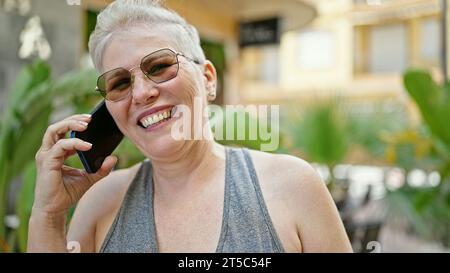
(156, 118)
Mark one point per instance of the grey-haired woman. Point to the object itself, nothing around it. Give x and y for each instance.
(190, 195)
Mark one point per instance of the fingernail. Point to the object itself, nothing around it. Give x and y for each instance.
(83, 123)
(87, 143)
(87, 115)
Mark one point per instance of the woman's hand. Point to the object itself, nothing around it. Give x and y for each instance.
(58, 187)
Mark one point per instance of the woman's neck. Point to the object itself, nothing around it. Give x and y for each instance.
(197, 163)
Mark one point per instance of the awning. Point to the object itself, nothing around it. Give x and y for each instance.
(294, 13)
(224, 15)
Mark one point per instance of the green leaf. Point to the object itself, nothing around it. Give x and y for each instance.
(38, 100)
(366, 128)
(433, 102)
(29, 139)
(76, 84)
(24, 204)
(29, 77)
(322, 134)
(423, 199)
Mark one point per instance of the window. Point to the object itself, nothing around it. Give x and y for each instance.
(430, 40)
(270, 64)
(316, 50)
(261, 64)
(388, 51)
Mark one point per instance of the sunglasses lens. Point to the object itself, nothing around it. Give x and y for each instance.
(160, 66)
(115, 84)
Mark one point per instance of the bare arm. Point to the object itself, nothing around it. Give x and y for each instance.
(302, 206)
(319, 224)
(96, 209)
(82, 226)
(46, 232)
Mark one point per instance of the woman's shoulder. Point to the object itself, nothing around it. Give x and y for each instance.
(288, 178)
(283, 167)
(112, 186)
(106, 194)
(295, 191)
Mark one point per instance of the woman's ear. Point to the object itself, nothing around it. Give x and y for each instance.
(210, 80)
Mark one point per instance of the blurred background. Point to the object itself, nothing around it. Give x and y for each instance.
(362, 88)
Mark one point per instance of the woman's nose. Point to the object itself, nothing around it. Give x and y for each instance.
(143, 90)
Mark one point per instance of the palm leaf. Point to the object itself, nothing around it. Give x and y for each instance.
(24, 204)
(433, 102)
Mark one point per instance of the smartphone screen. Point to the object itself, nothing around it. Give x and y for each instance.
(104, 135)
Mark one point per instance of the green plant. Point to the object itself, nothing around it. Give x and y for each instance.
(15, 143)
(433, 102)
(24, 203)
(33, 98)
(410, 148)
(368, 127)
(431, 206)
(322, 136)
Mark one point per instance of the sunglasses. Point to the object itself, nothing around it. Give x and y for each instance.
(159, 66)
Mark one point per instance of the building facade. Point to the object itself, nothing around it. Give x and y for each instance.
(354, 49)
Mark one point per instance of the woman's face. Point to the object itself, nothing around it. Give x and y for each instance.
(132, 113)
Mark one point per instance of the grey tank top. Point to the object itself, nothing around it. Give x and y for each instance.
(246, 224)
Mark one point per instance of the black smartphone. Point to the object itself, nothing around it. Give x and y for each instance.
(104, 135)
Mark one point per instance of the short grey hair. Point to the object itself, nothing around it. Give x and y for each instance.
(122, 14)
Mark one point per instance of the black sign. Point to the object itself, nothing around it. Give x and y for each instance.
(262, 32)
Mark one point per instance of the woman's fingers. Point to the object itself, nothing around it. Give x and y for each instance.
(107, 166)
(68, 146)
(57, 131)
(69, 154)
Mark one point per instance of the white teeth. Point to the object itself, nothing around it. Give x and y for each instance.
(150, 120)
